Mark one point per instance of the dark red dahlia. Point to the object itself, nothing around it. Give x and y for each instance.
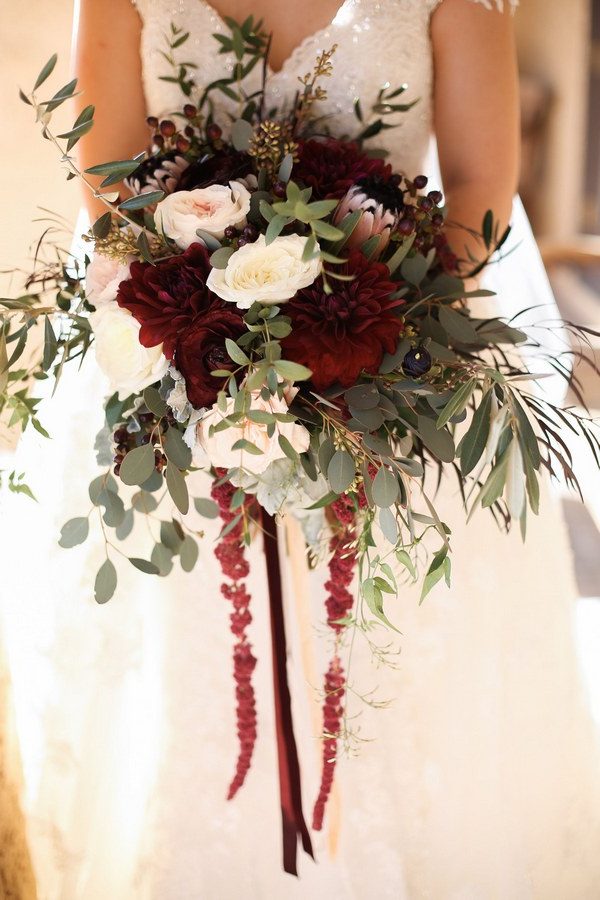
(331, 167)
(339, 335)
(166, 297)
(200, 348)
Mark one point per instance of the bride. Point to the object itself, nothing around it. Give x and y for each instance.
(481, 778)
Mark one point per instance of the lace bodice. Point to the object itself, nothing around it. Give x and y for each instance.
(378, 41)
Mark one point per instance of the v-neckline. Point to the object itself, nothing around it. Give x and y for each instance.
(274, 73)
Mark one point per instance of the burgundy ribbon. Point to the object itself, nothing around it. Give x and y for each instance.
(292, 818)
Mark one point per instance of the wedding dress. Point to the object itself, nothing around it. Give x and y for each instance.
(479, 782)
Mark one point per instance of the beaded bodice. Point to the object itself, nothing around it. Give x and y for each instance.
(378, 42)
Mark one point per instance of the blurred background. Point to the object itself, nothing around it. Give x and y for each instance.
(559, 52)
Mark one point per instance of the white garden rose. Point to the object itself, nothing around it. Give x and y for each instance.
(271, 273)
(217, 449)
(128, 365)
(212, 209)
(103, 277)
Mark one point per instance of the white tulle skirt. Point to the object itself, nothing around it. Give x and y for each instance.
(479, 780)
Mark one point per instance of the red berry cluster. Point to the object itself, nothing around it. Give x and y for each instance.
(338, 604)
(234, 565)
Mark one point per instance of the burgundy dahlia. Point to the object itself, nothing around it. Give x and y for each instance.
(339, 335)
(200, 348)
(331, 167)
(166, 297)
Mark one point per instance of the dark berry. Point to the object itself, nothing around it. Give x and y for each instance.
(250, 232)
(436, 197)
(146, 438)
(420, 182)
(190, 111)
(182, 143)
(167, 128)
(213, 132)
(406, 226)
(152, 122)
(242, 242)
(120, 436)
(416, 362)
(396, 180)
(159, 140)
(426, 204)
(230, 232)
(146, 417)
(189, 131)
(438, 220)
(280, 188)
(117, 468)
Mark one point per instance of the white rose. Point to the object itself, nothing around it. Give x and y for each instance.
(129, 366)
(212, 209)
(270, 273)
(103, 277)
(218, 447)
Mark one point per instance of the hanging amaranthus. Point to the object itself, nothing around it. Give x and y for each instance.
(231, 555)
(338, 605)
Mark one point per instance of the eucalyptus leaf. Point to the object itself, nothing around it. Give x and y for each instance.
(114, 510)
(138, 465)
(206, 507)
(236, 353)
(105, 583)
(341, 471)
(155, 402)
(177, 487)
(241, 135)
(170, 536)
(458, 326)
(291, 370)
(414, 268)
(221, 257)
(176, 449)
(188, 553)
(388, 525)
(385, 487)
(362, 396)
(149, 568)
(123, 530)
(285, 169)
(162, 558)
(74, 532)
(211, 242)
(144, 502)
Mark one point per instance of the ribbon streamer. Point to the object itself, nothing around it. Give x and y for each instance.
(292, 818)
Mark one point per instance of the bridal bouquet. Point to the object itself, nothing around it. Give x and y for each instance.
(275, 305)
